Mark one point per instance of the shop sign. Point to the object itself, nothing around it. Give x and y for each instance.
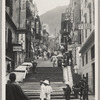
(17, 48)
(87, 26)
(84, 26)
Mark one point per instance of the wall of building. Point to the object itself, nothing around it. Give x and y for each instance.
(85, 12)
(87, 68)
(86, 33)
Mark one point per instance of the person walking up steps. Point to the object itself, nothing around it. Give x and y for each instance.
(46, 91)
(42, 90)
(67, 92)
(54, 59)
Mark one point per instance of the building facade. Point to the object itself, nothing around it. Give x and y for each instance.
(75, 11)
(82, 36)
(11, 38)
(87, 49)
(22, 27)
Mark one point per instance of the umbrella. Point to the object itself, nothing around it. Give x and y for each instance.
(60, 56)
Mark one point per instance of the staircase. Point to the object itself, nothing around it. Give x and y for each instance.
(32, 90)
(54, 74)
(31, 85)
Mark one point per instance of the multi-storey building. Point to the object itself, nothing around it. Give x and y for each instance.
(75, 11)
(22, 26)
(65, 28)
(45, 35)
(87, 49)
(12, 23)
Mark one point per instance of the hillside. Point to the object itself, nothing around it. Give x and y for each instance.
(53, 18)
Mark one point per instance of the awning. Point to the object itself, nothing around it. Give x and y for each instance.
(8, 58)
(89, 41)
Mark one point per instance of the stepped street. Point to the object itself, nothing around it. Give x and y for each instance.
(50, 43)
(45, 70)
(58, 77)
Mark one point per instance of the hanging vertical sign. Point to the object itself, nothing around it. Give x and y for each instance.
(37, 27)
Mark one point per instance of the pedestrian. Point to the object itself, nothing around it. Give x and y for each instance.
(47, 90)
(76, 90)
(48, 54)
(8, 67)
(54, 60)
(13, 90)
(34, 63)
(67, 92)
(85, 89)
(42, 90)
(81, 85)
(45, 55)
(59, 62)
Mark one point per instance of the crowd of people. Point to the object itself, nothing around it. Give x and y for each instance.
(14, 91)
(81, 88)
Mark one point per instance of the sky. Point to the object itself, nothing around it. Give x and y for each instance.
(46, 5)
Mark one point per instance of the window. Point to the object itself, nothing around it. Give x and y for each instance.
(81, 12)
(85, 16)
(86, 33)
(86, 57)
(83, 60)
(8, 3)
(90, 19)
(92, 53)
(74, 3)
(85, 3)
(11, 8)
(90, 13)
(93, 12)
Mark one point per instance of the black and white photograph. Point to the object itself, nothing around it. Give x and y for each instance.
(50, 49)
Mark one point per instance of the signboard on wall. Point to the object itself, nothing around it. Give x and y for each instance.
(17, 47)
(84, 26)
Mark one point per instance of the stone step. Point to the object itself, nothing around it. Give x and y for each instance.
(49, 69)
(52, 73)
(57, 99)
(53, 96)
(54, 77)
(35, 86)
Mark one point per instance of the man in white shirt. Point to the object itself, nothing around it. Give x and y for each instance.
(42, 93)
(46, 91)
